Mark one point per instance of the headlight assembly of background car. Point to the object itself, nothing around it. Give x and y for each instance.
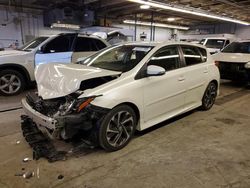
(247, 65)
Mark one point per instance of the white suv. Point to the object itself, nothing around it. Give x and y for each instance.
(119, 89)
(234, 61)
(17, 66)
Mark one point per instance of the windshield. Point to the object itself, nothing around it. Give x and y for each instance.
(215, 43)
(120, 58)
(238, 47)
(33, 44)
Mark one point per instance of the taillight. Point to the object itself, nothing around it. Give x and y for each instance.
(216, 63)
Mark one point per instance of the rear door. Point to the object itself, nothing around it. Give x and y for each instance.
(196, 74)
(85, 46)
(58, 49)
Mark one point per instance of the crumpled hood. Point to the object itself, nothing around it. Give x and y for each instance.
(58, 80)
(232, 57)
(12, 52)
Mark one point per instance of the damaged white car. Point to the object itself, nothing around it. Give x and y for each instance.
(120, 89)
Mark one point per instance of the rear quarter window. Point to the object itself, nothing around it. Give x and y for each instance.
(204, 54)
(191, 55)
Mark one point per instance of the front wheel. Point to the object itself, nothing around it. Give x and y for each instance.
(11, 82)
(117, 128)
(209, 96)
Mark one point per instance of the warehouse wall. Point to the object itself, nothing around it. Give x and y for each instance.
(236, 30)
(30, 26)
(161, 34)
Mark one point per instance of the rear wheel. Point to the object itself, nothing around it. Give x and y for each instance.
(209, 96)
(11, 82)
(117, 128)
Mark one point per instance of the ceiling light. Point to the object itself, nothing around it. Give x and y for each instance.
(187, 11)
(170, 19)
(144, 6)
(155, 24)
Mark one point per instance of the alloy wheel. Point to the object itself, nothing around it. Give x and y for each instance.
(10, 83)
(120, 128)
(210, 95)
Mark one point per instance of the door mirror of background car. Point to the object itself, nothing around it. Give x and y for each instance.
(41, 49)
(153, 70)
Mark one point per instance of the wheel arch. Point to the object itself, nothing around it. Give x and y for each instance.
(215, 81)
(18, 68)
(134, 107)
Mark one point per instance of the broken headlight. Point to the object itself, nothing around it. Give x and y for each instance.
(80, 104)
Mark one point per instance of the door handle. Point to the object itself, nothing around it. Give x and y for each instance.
(205, 70)
(181, 78)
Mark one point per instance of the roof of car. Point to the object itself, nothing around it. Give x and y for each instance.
(142, 43)
(245, 40)
(222, 38)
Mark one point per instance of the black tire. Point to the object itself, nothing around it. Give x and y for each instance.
(12, 82)
(209, 96)
(110, 128)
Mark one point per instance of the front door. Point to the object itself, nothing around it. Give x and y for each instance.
(57, 50)
(164, 95)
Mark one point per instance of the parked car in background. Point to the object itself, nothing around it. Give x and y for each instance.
(234, 61)
(215, 44)
(120, 89)
(17, 66)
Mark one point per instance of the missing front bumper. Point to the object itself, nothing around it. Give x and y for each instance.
(41, 145)
(35, 124)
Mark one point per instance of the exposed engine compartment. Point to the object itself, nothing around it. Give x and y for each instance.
(52, 107)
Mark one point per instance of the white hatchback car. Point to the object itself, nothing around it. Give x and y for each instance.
(120, 89)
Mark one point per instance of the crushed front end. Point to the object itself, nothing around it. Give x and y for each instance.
(59, 118)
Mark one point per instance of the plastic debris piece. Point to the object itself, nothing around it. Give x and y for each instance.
(38, 172)
(60, 177)
(28, 174)
(19, 174)
(26, 159)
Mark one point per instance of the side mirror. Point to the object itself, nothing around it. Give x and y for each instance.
(153, 70)
(41, 50)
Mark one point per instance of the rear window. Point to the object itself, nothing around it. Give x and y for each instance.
(238, 47)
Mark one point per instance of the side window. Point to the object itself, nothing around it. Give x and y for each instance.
(59, 44)
(86, 44)
(191, 55)
(83, 44)
(99, 44)
(203, 53)
(167, 58)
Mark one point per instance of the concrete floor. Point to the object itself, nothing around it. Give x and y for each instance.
(200, 149)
